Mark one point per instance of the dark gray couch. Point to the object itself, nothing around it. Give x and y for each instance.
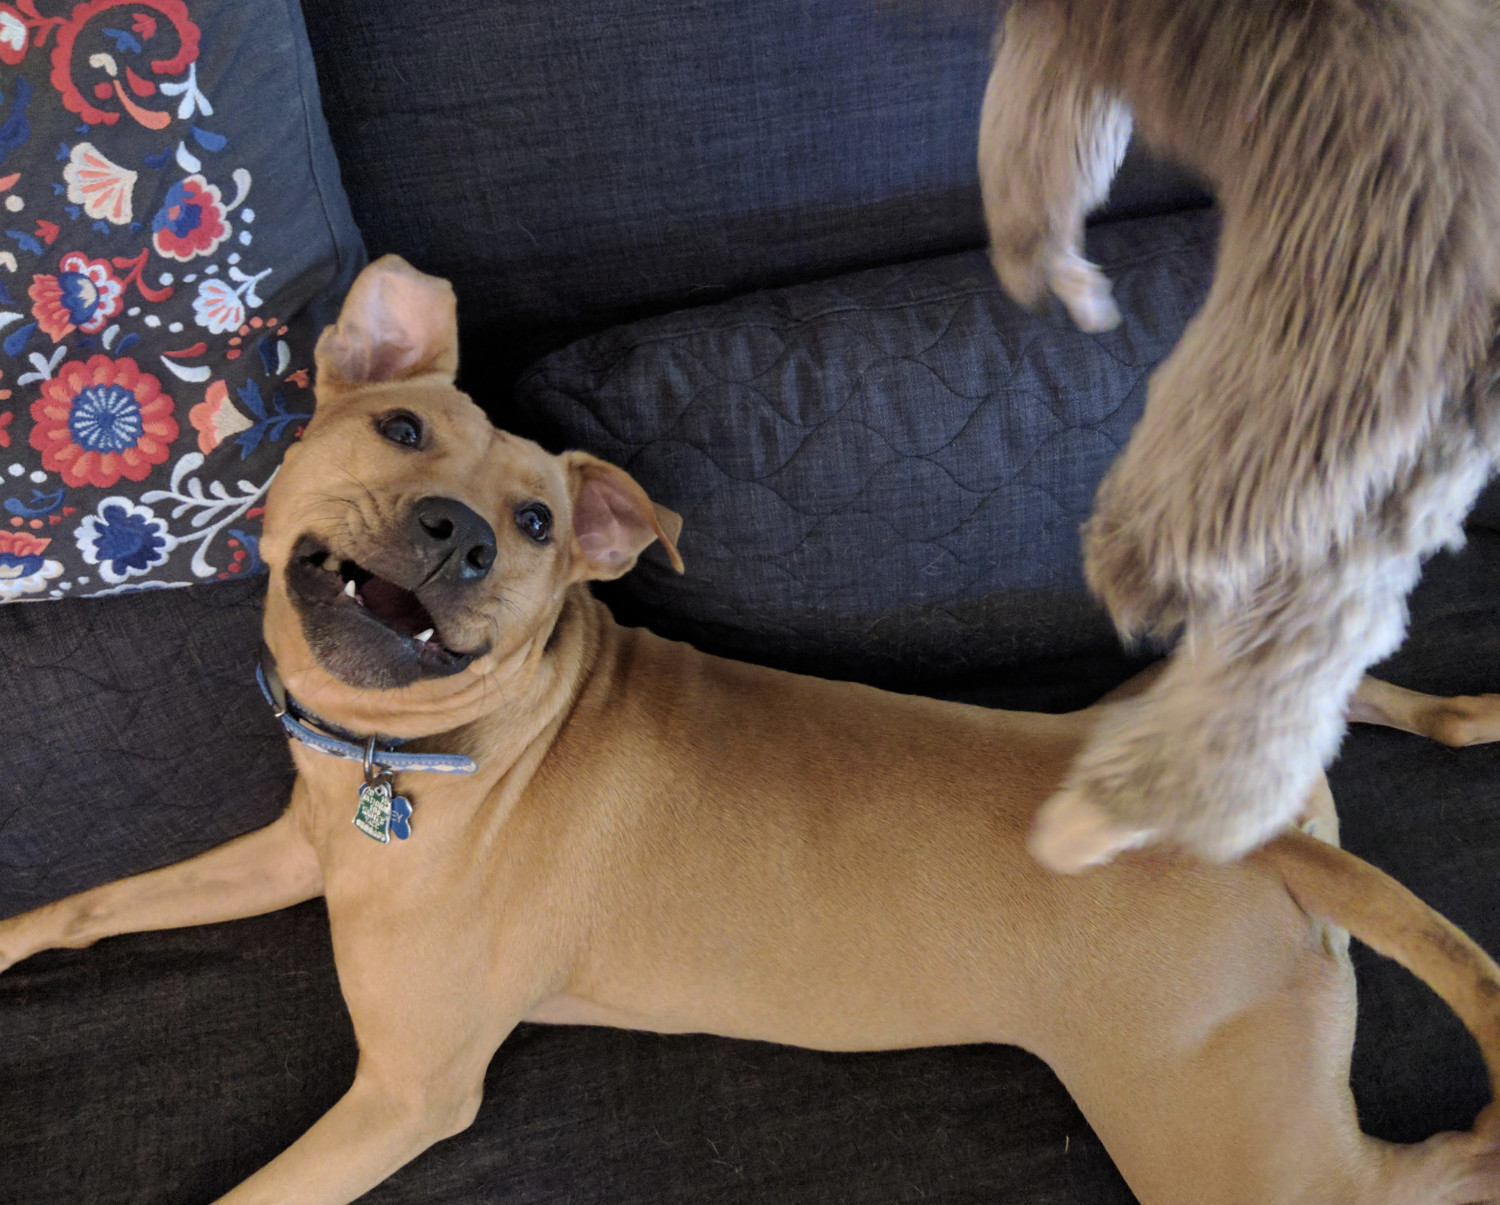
(732, 247)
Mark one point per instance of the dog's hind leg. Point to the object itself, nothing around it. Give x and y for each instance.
(1049, 146)
(1457, 721)
(264, 871)
(1231, 1086)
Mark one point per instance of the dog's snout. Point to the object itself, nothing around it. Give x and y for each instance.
(463, 537)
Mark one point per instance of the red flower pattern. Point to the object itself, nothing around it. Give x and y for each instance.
(216, 418)
(84, 295)
(190, 221)
(101, 419)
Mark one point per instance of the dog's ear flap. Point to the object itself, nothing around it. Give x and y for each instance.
(396, 323)
(613, 519)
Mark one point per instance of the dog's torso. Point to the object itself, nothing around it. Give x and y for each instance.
(870, 835)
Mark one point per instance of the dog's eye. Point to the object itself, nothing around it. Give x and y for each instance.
(401, 427)
(535, 521)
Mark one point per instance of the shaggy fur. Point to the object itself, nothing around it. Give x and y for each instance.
(1327, 419)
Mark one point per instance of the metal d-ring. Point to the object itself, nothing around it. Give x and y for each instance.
(370, 760)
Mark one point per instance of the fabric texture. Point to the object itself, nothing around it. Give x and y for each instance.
(135, 737)
(884, 472)
(885, 468)
(165, 1067)
(570, 166)
(175, 239)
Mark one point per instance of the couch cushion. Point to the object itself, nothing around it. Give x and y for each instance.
(883, 470)
(175, 237)
(134, 736)
(569, 165)
(888, 468)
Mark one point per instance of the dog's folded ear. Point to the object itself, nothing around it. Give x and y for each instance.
(613, 519)
(396, 323)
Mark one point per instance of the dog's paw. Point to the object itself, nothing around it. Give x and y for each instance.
(1085, 291)
(11, 948)
(27, 934)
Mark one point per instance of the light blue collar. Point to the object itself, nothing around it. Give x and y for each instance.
(372, 751)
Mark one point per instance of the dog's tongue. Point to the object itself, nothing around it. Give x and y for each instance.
(395, 607)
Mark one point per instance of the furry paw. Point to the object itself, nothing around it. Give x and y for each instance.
(1071, 834)
(1119, 567)
(1030, 270)
(1085, 291)
(1214, 772)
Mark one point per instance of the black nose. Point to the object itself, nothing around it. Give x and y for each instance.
(463, 541)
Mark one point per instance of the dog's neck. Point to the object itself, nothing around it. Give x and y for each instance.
(491, 712)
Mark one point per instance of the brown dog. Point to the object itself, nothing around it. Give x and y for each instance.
(1329, 416)
(659, 839)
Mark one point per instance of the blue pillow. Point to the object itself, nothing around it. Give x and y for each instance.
(884, 473)
(173, 236)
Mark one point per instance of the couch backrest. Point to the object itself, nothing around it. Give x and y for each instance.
(575, 162)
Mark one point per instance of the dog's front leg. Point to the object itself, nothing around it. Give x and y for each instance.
(432, 991)
(379, 1125)
(264, 871)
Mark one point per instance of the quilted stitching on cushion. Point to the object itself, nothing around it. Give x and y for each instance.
(135, 738)
(889, 465)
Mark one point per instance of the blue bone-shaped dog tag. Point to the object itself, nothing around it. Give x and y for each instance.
(400, 818)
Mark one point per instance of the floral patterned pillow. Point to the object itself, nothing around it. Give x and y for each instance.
(173, 237)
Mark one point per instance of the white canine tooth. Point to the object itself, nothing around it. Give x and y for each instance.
(350, 588)
(424, 637)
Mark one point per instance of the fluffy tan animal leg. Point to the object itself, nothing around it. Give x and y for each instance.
(264, 871)
(1071, 834)
(1049, 147)
(1456, 721)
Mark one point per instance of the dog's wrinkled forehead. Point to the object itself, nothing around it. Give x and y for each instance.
(385, 384)
(391, 427)
(406, 439)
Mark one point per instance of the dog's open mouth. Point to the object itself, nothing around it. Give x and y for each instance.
(366, 628)
(395, 606)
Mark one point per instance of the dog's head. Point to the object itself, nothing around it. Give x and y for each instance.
(409, 541)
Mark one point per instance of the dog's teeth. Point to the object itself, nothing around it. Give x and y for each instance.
(331, 563)
(424, 637)
(351, 589)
